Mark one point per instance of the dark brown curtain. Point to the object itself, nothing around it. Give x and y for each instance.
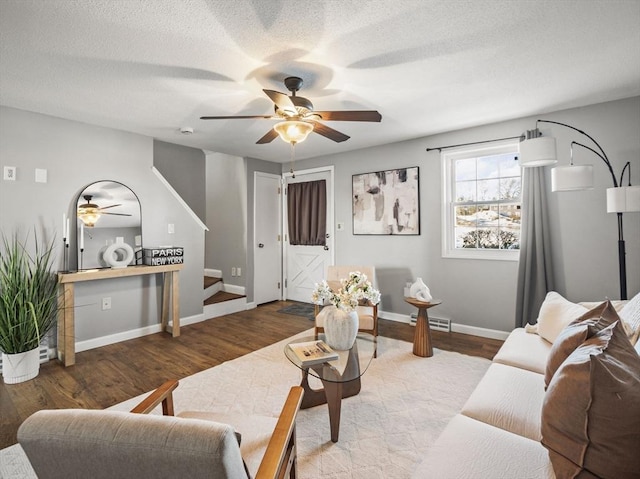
(307, 212)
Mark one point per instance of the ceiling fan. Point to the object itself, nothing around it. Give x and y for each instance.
(89, 213)
(298, 117)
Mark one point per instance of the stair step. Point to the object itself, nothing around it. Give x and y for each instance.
(210, 281)
(222, 296)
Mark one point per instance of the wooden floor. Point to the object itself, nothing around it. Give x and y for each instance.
(106, 376)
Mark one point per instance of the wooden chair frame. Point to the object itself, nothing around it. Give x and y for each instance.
(280, 457)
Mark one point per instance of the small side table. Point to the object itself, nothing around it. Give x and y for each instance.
(422, 339)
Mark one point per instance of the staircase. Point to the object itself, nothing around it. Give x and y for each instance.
(218, 302)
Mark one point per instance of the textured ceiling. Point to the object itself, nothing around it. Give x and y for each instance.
(153, 66)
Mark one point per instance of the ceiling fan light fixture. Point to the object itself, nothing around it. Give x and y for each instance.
(293, 131)
(89, 215)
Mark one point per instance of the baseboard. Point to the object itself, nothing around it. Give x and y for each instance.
(476, 331)
(215, 273)
(231, 288)
(132, 334)
(455, 327)
(251, 305)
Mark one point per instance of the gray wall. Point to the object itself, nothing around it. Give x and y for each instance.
(226, 240)
(184, 168)
(481, 293)
(76, 154)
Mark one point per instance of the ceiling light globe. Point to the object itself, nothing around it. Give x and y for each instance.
(293, 131)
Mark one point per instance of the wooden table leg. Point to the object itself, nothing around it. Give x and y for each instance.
(422, 338)
(332, 392)
(171, 303)
(66, 326)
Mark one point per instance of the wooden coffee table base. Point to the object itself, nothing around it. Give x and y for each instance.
(332, 392)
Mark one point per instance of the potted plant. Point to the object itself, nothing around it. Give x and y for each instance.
(28, 306)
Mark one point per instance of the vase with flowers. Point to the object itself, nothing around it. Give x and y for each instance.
(340, 316)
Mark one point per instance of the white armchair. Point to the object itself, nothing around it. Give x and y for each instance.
(367, 313)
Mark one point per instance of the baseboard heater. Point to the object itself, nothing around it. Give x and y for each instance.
(438, 324)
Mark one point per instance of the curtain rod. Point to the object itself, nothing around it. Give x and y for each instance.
(440, 148)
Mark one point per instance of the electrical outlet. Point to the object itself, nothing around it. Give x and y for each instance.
(233, 271)
(171, 228)
(106, 304)
(10, 173)
(239, 271)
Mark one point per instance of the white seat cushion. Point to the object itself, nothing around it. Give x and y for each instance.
(524, 350)
(470, 449)
(509, 398)
(255, 431)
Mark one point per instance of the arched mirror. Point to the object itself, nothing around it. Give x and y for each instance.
(108, 212)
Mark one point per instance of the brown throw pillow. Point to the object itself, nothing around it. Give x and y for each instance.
(576, 333)
(591, 410)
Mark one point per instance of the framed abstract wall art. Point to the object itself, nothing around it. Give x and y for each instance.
(386, 202)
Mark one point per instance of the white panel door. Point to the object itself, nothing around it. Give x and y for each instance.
(307, 265)
(267, 250)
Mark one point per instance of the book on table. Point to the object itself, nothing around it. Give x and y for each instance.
(313, 352)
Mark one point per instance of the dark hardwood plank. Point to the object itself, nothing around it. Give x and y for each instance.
(106, 376)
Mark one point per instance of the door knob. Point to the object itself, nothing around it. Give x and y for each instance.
(260, 245)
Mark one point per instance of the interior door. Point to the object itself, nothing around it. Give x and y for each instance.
(267, 250)
(307, 265)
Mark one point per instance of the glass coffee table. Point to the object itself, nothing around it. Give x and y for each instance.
(340, 378)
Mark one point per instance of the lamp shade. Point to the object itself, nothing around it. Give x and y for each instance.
(623, 199)
(572, 178)
(293, 131)
(540, 151)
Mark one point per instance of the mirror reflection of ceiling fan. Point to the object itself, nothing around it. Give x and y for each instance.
(89, 213)
(298, 117)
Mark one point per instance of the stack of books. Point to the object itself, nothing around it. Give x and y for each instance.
(162, 255)
(313, 352)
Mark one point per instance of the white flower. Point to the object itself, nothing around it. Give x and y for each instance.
(355, 289)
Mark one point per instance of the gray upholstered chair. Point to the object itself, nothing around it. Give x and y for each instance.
(367, 313)
(68, 443)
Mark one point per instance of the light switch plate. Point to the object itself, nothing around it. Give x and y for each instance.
(10, 173)
(41, 175)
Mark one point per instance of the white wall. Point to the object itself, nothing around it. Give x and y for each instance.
(481, 293)
(76, 154)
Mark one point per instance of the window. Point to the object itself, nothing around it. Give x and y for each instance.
(481, 213)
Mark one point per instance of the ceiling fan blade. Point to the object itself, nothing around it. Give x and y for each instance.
(115, 214)
(268, 137)
(353, 115)
(282, 101)
(235, 117)
(107, 207)
(330, 133)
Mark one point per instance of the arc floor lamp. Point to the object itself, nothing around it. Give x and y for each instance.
(538, 150)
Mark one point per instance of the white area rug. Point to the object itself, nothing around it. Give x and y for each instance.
(404, 404)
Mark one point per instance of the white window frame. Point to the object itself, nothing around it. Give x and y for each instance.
(448, 212)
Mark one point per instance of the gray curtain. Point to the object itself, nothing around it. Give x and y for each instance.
(535, 273)
(307, 213)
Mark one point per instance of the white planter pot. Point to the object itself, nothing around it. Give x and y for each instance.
(20, 367)
(340, 328)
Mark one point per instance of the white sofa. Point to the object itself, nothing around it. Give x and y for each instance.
(498, 432)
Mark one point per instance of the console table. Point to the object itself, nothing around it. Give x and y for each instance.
(66, 304)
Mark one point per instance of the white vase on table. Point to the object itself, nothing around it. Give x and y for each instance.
(340, 328)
